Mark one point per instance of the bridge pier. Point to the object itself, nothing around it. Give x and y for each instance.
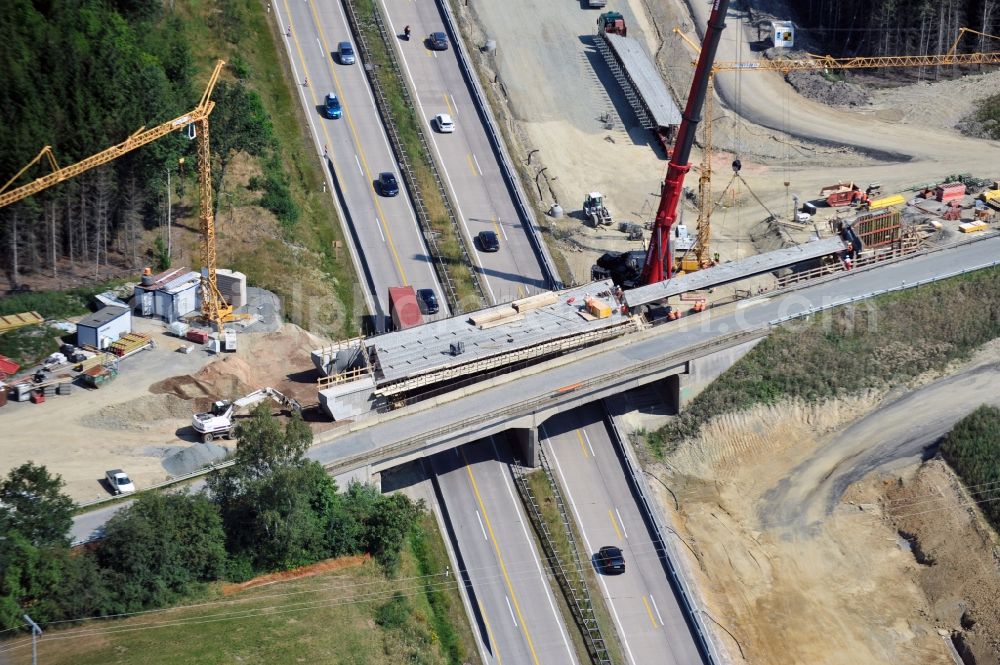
(527, 445)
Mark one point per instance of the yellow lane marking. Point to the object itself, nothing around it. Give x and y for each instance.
(579, 434)
(489, 633)
(496, 227)
(448, 104)
(649, 611)
(520, 290)
(472, 167)
(503, 567)
(354, 133)
(614, 523)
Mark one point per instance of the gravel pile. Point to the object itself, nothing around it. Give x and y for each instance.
(140, 414)
(194, 457)
(813, 85)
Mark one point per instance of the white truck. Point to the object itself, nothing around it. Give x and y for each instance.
(119, 482)
(220, 420)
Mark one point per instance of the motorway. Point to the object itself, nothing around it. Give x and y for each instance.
(516, 617)
(387, 241)
(644, 350)
(643, 606)
(468, 163)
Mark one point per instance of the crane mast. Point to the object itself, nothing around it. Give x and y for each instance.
(659, 262)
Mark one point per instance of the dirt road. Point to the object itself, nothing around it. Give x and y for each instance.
(894, 435)
(765, 99)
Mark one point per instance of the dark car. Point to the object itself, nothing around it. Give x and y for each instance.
(438, 41)
(428, 301)
(332, 106)
(610, 560)
(345, 53)
(387, 184)
(488, 241)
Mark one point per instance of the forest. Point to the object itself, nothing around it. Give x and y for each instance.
(899, 27)
(103, 222)
(54, 53)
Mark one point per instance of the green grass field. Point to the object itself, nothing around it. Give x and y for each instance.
(354, 615)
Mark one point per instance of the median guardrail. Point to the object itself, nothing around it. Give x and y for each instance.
(520, 199)
(405, 167)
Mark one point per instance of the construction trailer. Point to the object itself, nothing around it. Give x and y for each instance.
(638, 77)
(102, 328)
(170, 295)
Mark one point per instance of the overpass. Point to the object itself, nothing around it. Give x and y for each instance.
(683, 355)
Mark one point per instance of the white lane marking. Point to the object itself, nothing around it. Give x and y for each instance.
(656, 609)
(499, 222)
(389, 154)
(478, 168)
(586, 541)
(378, 225)
(534, 555)
(481, 527)
(321, 49)
(454, 106)
(358, 161)
(458, 208)
(591, 448)
(621, 522)
(511, 610)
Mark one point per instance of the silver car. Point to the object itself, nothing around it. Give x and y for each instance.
(345, 53)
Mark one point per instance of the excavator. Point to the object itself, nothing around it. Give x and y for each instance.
(220, 421)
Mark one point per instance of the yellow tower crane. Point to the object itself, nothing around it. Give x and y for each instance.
(213, 306)
(811, 63)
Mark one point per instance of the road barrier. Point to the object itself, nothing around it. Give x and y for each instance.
(640, 488)
(405, 167)
(520, 200)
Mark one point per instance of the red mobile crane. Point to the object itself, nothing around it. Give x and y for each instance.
(659, 264)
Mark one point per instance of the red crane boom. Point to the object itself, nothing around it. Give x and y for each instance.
(659, 262)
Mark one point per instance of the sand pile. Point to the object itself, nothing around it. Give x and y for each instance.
(280, 360)
(194, 457)
(228, 377)
(140, 414)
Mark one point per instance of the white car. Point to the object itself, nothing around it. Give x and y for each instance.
(444, 123)
(119, 481)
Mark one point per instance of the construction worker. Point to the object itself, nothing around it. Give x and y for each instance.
(406, 32)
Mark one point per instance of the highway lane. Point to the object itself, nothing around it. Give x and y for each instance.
(644, 348)
(518, 622)
(468, 163)
(385, 231)
(642, 603)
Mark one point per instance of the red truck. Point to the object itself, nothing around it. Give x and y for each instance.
(404, 311)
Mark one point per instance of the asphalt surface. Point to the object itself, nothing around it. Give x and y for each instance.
(387, 240)
(642, 603)
(756, 313)
(468, 163)
(515, 615)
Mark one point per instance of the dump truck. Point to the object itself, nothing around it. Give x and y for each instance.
(842, 194)
(404, 311)
(594, 210)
